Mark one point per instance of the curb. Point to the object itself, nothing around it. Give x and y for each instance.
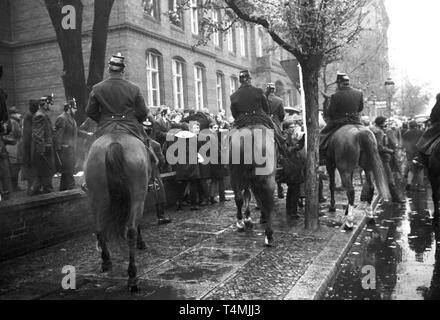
(313, 283)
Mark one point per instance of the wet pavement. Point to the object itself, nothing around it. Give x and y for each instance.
(198, 256)
(396, 257)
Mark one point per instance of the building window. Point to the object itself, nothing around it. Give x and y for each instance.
(151, 8)
(243, 41)
(176, 15)
(199, 86)
(230, 36)
(153, 79)
(289, 98)
(194, 17)
(220, 91)
(178, 67)
(216, 33)
(259, 43)
(233, 84)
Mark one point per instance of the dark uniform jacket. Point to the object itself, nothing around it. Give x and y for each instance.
(117, 106)
(248, 99)
(433, 133)
(345, 107)
(66, 133)
(43, 144)
(276, 109)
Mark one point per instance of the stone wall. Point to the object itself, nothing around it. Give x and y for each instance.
(29, 224)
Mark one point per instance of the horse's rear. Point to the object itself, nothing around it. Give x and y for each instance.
(253, 167)
(349, 147)
(117, 171)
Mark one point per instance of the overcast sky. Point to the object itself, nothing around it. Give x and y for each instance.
(414, 41)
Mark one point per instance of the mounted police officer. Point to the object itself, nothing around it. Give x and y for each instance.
(345, 108)
(276, 107)
(116, 104)
(249, 106)
(424, 145)
(43, 148)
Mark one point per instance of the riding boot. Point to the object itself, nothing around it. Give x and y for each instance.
(161, 218)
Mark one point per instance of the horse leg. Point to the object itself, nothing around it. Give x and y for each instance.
(435, 185)
(331, 173)
(140, 243)
(239, 203)
(347, 182)
(264, 190)
(367, 194)
(135, 212)
(106, 264)
(247, 212)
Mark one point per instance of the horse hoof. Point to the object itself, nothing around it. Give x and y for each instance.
(348, 226)
(268, 241)
(248, 223)
(106, 267)
(141, 245)
(134, 289)
(240, 226)
(332, 209)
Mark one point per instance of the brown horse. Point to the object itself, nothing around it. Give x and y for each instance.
(248, 146)
(349, 147)
(117, 171)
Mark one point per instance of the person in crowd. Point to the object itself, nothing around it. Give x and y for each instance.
(293, 169)
(161, 125)
(204, 168)
(386, 156)
(188, 171)
(43, 148)
(66, 133)
(429, 136)
(5, 172)
(410, 139)
(28, 173)
(155, 185)
(14, 146)
(218, 170)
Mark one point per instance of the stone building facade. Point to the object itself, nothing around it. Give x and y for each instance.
(160, 54)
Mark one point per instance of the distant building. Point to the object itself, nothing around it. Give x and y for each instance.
(160, 56)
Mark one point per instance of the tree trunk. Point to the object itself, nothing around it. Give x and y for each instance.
(70, 43)
(102, 9)
(310, 70)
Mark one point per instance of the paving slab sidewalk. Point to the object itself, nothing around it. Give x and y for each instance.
(198, 256)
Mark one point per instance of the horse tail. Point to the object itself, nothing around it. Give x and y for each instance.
(372, 159)
(115, 221)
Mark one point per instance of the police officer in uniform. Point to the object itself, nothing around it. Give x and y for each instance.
(43, 148)
(67, 133)
(345, 108)
(116, 104)
(249, 105)
(276, 106)
(248, 99)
